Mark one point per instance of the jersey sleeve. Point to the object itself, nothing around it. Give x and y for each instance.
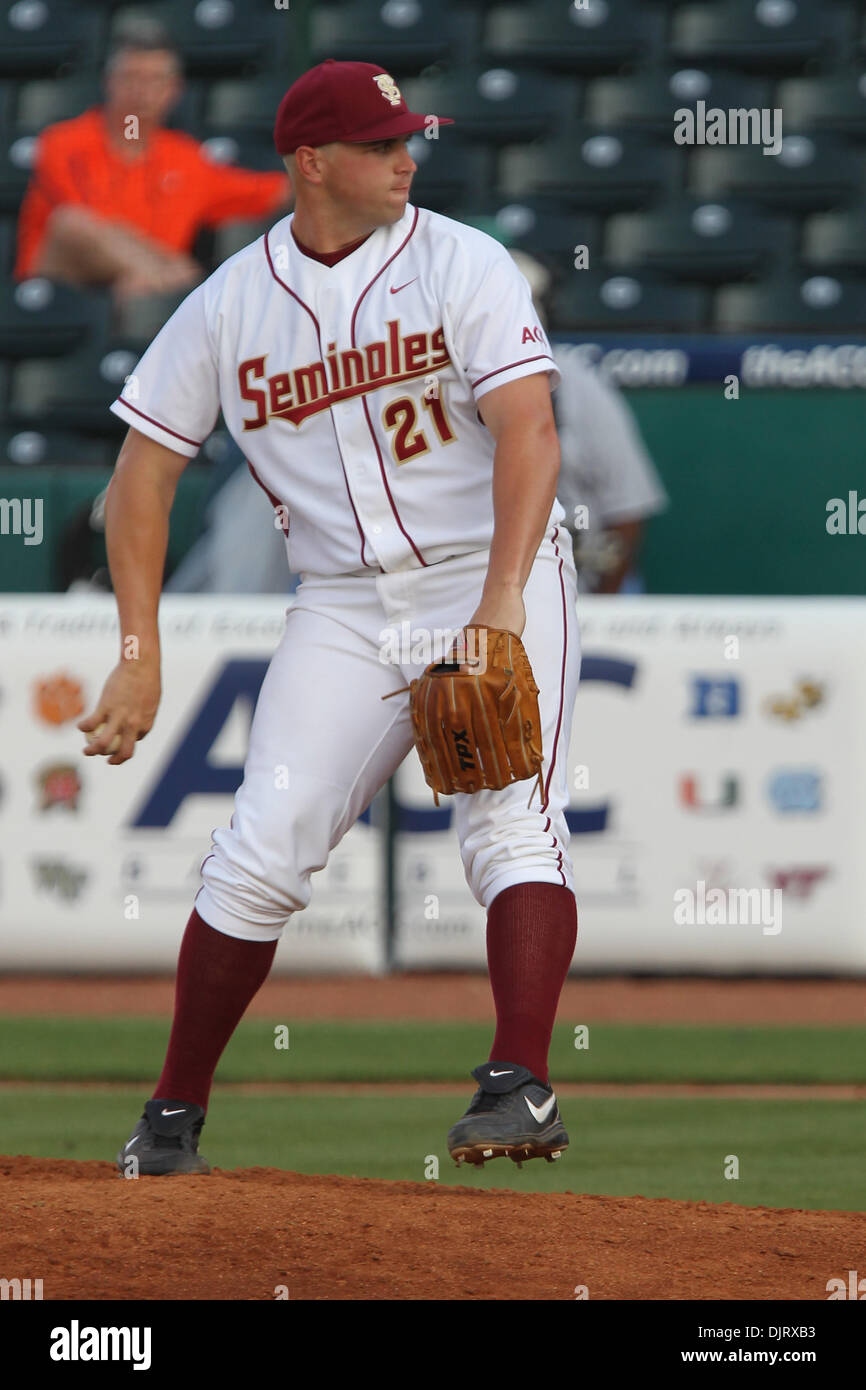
(496, 331)
(172, 395)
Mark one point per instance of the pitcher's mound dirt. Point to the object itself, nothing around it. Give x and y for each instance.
(252, 1233)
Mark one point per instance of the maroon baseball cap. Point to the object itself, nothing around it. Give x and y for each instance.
(353, 102)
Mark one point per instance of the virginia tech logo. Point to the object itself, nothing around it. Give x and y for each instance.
(388, 87)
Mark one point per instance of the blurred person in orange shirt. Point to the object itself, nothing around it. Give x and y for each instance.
(118, 200)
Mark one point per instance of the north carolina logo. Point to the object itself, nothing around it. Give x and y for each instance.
(388, 87)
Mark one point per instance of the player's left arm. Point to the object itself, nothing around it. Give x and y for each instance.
(519, 415)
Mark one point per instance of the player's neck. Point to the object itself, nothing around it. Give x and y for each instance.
(326, 237)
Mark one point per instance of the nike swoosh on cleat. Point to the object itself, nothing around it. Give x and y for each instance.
(502, 1073)
(132, 1141)
(541, 1112)
(173, 1112)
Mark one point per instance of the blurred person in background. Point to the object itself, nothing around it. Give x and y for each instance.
(608, 484)
(117, 200)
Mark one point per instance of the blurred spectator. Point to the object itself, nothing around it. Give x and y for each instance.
(608, 484)
(117, 200)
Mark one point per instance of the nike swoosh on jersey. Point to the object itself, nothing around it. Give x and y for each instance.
(395, 289)
(541, 1112)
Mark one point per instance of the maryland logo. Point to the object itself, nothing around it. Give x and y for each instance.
(388, 87)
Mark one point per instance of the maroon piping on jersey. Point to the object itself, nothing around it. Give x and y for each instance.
(164, 428)
(274, 500)
(561, 701)
(539, 357)
(290, 291)
(379, 272)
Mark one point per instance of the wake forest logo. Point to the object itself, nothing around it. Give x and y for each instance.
(305, 391)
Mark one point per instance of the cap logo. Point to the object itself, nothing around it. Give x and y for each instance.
(388, 87)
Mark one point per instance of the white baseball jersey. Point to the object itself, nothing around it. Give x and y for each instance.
(353, 389)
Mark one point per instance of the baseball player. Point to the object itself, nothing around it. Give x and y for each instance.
(384, 371)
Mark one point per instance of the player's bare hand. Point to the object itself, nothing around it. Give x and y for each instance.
(124, 712)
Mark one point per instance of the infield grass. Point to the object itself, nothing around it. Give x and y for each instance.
(804, 1153)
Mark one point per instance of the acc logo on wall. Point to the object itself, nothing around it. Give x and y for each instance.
(715, 697)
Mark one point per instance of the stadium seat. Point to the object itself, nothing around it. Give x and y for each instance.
(40, 35)
(835, 242)
(247, 105)
(403, 36)
(811, 304)
(695, 241)
(811, 171)
(500, 105)
(448, 172)
(215, 36)
(138, 320)
(836, 102)
(232, 237)
(600, 37)
(593, 168)
(44, 100)
(603, 301)
(34, 448)
(648, 100)
(8, 242)
(249, 149)
(17, 154)
(71, 393)
(760, 35)
(39, 318)
(539, 229)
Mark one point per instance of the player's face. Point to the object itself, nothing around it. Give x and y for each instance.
(371, 182)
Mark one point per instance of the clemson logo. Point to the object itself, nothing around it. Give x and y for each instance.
(388, 87)
(58, 699)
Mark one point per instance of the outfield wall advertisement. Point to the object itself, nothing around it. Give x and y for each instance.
(716, 764)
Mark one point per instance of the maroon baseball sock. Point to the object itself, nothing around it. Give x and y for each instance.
(217, 977)
(531, 933)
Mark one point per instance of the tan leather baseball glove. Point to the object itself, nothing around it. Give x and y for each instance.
(475, 715)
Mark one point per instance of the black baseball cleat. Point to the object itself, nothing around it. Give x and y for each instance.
(511, 1115)
(165, 1141)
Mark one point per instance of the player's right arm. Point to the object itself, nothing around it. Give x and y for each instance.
(137, 508)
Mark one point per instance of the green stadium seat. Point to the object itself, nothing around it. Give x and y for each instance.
(214, 36)
(40, 35)
(809, 304)
(39, 318)
(607, 302)
(812, 170)
(232, 237)
(35, 448)
(501, 105)
(835, 242)
(8, 243)
(695, 241)
(449, 173)
(17, 155)
(586, 166)
(45, 100)
(246, 105)
(403, 36)
(600, 37)
(71, 393)
(249, 149)
(761, 35)
(540, 229)
(648, 100)
(835, 102)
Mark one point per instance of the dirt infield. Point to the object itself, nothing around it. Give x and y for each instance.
(464, 998)
(248, 1233)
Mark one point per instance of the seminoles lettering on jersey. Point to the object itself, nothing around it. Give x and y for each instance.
(352, 389)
